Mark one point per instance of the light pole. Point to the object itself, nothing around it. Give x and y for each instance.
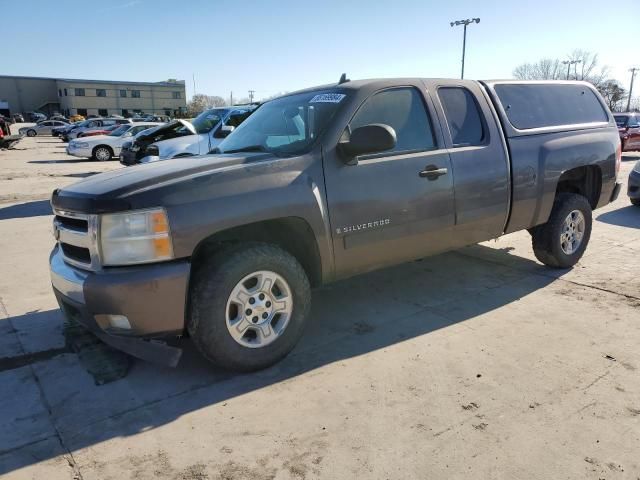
(568, 63)
(464, 37)
(633, 74)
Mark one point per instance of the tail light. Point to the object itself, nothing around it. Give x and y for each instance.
(618, 157)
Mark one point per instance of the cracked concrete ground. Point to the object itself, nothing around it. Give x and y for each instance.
(478, 363)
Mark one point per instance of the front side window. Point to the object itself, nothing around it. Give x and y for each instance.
(101, 92)
(287, 125)
(633, 122)
(403, 110)
(464, 119)
(79, 92)
(123, 93)
(135, 93)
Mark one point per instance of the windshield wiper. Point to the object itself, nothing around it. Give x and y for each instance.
(249, 148)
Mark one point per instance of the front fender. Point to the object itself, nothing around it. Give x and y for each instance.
(250, 193)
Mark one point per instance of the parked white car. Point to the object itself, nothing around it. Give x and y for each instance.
(105, 147)
(41, 128)
(199, 136)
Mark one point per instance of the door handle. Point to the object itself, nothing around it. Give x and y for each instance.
(431, 172)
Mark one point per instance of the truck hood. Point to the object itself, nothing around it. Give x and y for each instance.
(114, 191)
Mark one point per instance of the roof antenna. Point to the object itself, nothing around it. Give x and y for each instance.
(343, 79)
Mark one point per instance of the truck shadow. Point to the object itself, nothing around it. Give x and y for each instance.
(628, 216)
(23, 210)
(349, 319)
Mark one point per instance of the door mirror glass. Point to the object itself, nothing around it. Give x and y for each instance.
(224, 131)
(373, 138)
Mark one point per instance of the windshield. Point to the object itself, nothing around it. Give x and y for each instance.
(208, 119)
(121, 130)
(285, 126)
(621, 120)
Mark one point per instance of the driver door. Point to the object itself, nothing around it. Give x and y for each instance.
(386, 208)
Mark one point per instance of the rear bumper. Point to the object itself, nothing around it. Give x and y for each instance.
(152, 298)
(633, 188)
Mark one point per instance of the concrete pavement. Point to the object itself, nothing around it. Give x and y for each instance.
(479, 363)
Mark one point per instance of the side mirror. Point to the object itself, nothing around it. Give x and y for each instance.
(373, 138)
(224, 131)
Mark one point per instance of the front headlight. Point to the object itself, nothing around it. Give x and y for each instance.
(141, 236)
(80, 144)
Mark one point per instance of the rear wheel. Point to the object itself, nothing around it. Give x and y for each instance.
(635, 201)
(561, 242)
(31, 133)
(249, 306)
(102, 153)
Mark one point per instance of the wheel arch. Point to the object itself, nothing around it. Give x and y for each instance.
(585, 180)
(292, 234)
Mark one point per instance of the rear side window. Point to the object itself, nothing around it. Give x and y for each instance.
(464, 119)
(540, 105)
(403, 110)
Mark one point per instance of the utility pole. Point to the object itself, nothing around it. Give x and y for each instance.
(251, 92)
(194, 83)
(568, 63)
(633, 74)
(231, 99)
(464, 36)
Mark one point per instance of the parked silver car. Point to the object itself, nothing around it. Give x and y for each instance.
(41, 128)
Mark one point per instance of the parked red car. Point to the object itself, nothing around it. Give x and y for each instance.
(100, 131)
(629, 128)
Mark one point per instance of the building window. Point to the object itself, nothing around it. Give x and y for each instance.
(135, 93)
(103, 112)
(79, 92)
(101, 92)
(65, 92)
(176, 95)
(82, 111)
(59, 92)
(167, 112)
(123, 93)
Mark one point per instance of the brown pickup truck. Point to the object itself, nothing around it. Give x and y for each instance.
(319, 185)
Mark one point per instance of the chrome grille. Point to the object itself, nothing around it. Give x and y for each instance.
(77, 235)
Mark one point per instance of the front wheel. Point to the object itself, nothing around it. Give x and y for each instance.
(31, 133)
(102, 154)
(561, 242)
(635, 201)
(249, 306)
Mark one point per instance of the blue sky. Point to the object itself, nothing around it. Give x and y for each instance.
(283, 45)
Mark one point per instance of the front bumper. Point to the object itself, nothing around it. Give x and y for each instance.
(79, 152)
(127, 157)
(633, 187)
(151, 297)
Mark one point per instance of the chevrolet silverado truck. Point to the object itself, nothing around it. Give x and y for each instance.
(319, 185)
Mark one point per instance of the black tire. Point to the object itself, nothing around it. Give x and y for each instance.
(213, 282)
(546, 238)
(104, 152)
(31, 133)
(635, 201)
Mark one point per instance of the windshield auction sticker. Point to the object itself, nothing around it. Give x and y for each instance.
(328, 98)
